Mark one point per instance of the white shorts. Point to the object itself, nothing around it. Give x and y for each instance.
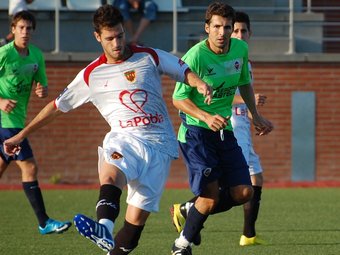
(145, 168)
(253, 160)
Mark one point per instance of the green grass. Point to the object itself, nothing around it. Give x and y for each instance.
(293, 221)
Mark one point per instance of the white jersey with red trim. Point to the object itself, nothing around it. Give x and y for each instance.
(240, 120)
(242, 132)
(129, 95)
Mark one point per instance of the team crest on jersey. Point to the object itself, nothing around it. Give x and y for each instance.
(130, 76)
(237, 65)
(116, 155)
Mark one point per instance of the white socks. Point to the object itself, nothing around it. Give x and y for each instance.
(108, 224)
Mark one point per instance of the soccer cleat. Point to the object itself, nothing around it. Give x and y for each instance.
(94, 231)
(179, 214)
(54, 226)
(246, 241)
(178, 217)
(180, 250)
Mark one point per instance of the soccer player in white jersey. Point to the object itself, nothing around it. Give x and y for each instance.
(124, 83)
(241, 126)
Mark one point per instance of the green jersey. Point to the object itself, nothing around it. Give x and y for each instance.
(17, 74)
(224, 72)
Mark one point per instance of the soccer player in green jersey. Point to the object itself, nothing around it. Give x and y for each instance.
(22, 66)
(218, 172)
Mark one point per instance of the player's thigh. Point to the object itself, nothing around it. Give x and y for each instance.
(146, 190)
(136, 216)
(111, 174)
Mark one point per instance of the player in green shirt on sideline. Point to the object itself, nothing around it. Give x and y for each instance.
(21, 66)
(218, 172)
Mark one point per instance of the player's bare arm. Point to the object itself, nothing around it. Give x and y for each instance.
(260, 100)
(215, 122)
(45, 116)
(193, 80)
(7, 105)
(247, 94)
(262, 125)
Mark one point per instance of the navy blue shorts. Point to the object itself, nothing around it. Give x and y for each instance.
(25, 152)
(209, 158)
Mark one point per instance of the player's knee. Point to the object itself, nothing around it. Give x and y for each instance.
(242, 194)
(206, 205)
(29, 173)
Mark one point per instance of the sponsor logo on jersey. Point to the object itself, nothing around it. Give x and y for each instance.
(142, 120)
(221, 91)
(240, 111)
(135, 101)
(130, 76)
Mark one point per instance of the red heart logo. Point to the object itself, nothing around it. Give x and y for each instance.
(134, 100)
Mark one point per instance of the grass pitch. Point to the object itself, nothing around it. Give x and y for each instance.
(293, 221)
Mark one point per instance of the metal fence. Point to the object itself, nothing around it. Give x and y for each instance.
(325, 33)
(328, 26)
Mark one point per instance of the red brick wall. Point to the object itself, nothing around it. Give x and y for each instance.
(68, 147)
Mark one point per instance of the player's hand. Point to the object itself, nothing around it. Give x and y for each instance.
(206, 91)
(260, 99)
(41, 91)
(7, 105)
(12, 145)
(262, 125)
(217, 122)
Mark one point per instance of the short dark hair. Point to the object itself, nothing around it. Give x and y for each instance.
(106, 16)
(23, 15)
(220, 9)
(243, 17)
